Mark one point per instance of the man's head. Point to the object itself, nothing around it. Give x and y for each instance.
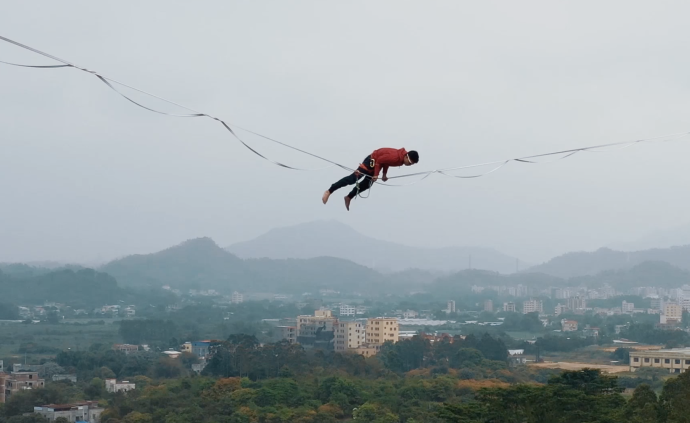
(412, 157)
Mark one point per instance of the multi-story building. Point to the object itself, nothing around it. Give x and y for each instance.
(236, 298)
(577, 303)
(530, 306)
(317, 330)
(627, 308)
(560, 309)
(289, 333)
(112, 385)
(347, 310)
(489, 306)
(450, 308)
(676, 360)
(510, 306)
(87, 411)
(17, 381)
(657, 304)
(349, 335)
(410, 314)
(382, 329)
(673, 313)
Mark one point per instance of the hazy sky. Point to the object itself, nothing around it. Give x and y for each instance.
(85, 174)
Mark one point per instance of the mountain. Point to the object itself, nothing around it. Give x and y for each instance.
(592, 263)
(672, 237)
(202, 264)
(335, 239)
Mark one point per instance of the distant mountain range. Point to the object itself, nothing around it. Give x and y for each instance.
(335, 239)
(202, 264)
(591, 263)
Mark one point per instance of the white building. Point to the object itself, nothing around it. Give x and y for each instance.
(410, 314)
(236, 298)
(627, 308)
(509, 307)
(451, 307)
(112, 385)
(489, 306)
(530, 306)
(346, 310)
(560, 309)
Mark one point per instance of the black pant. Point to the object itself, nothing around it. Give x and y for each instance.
(368, 171)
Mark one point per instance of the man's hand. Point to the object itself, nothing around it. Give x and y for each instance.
(374, 179)
(385, 178)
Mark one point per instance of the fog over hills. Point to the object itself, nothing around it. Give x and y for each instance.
(335, 239)
(591, 263)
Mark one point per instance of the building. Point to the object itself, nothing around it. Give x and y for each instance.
(317, 331)
(201, 348)
(410, 314)
(126, 348)
(349, 335)
(627, 308)
(489, 306)
(577, 303)
(568, 325)
(509, 307)
(516, 357)
(676, 360)
(71, 378)
(236, 298)
(657, 304)
(382, 329)
(187, 347)
(560, 309)
(112, 385)
(450, 308)
(346, 310)
(87, 411)
(17, 381)
(289, 333)
(530, 306)
(673, 313)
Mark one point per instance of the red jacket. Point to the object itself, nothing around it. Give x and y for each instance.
(385, 157)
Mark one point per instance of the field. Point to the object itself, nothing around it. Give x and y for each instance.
(38, 339)
(564, 365)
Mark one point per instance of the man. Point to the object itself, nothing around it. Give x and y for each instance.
(382, 158)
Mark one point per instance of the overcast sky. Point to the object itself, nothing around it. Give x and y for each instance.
(86, 175)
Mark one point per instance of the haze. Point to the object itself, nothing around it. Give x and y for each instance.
(86, 175)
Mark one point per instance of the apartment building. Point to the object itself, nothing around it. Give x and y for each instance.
(530, 306)
(16, 381)
(112, 385)
(349, 335)
(382, 329)
(317, 330)
(509, 307)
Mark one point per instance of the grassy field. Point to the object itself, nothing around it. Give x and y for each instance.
(60, 336)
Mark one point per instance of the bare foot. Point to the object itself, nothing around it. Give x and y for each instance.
(347, 202)
(325, 196)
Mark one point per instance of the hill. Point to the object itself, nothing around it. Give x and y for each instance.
(591, 263)
(202, 264)
(335, 239)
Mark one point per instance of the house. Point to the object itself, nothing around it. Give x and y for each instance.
(86, 411)
(516, 357)
(568, 325)
(72, 378)
(126, 348)
(112, 385)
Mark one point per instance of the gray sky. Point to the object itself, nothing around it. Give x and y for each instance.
(85, 174)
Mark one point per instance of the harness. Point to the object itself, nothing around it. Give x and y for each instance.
(372, 164)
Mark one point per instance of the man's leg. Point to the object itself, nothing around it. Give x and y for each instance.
(363, 186)
(348, 180)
